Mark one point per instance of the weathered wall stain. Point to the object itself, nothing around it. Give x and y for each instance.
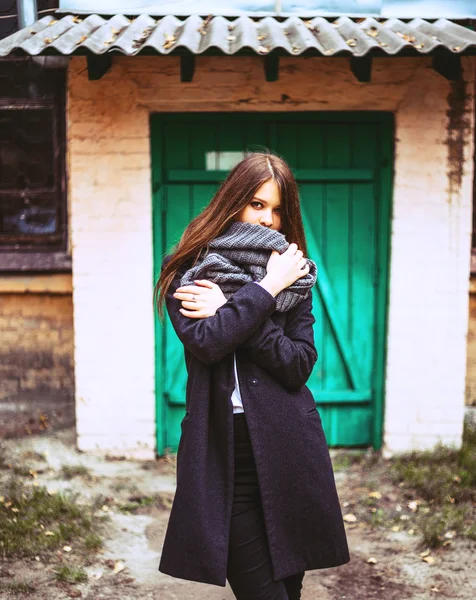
(459, 130)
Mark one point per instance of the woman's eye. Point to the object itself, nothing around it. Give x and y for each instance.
(277, 210)
(258, 203)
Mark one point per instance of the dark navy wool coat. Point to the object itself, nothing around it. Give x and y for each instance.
(275, 354)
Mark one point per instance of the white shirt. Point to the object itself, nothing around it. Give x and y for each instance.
(236, 395)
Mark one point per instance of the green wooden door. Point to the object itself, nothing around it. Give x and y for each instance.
(342, 162)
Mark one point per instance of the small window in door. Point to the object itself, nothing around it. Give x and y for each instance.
(222, 161)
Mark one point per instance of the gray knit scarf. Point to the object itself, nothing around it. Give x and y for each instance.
(240, 255)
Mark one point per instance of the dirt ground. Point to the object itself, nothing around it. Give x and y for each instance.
(387, 563)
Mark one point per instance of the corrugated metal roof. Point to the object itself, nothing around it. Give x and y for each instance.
(319, 36)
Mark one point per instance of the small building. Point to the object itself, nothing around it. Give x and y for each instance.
(374, 111)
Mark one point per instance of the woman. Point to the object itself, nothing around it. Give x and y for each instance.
(256, 501)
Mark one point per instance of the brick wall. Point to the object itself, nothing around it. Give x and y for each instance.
(110, 190)
(36, 358)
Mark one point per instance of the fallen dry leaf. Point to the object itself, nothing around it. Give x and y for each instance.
(377, 495)
(169, 41)
(449, 535)
(77, 19)
(81, 39)
(119, 567)
(313, 28)
(49, 533)
(263, 49)
(52, 492)
(426, 552)
(457, 48)
(67, 548)
(372, 560)
(52, 22)
(74, 593)
(395, 528)
(350, 518)
(411, 39)
(373, 32)
(231, 38)
(295, 48)
(48, 40)
(262, 37)
(329, 51)
(15, 510)
(413, 505)
(352, 42)
(429, 559)
(203, 27)
(435, 589)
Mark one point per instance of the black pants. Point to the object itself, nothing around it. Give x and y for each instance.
(249, 570)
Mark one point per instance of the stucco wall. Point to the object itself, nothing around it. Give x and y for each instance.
(110, 189)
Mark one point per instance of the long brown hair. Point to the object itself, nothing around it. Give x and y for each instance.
(234, 195)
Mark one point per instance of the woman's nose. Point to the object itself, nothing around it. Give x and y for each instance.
(266, 220)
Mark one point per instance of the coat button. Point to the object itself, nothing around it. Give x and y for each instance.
(254, 381)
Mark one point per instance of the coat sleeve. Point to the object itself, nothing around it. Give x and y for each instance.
(288, 355)
(235, 321)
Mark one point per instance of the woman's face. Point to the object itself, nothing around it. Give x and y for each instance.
(264, 208)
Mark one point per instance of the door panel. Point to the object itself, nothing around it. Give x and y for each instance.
(341, 162)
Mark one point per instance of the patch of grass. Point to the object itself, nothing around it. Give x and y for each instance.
(3, 458)
(444, 524)
(120, 486)
(93, 541)
(441, 475)
(22, 470)
(33, 520)
(446, 479)
(161, 501)
(68, 574)
(70, 471)
(17, 588)
(346, 458)
(34, 455)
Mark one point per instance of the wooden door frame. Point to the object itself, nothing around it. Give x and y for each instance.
(384, 204)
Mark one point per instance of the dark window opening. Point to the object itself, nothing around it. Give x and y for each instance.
(32, 161)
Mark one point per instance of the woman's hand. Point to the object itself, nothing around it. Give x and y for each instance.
(208, 298)
(282, 270)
